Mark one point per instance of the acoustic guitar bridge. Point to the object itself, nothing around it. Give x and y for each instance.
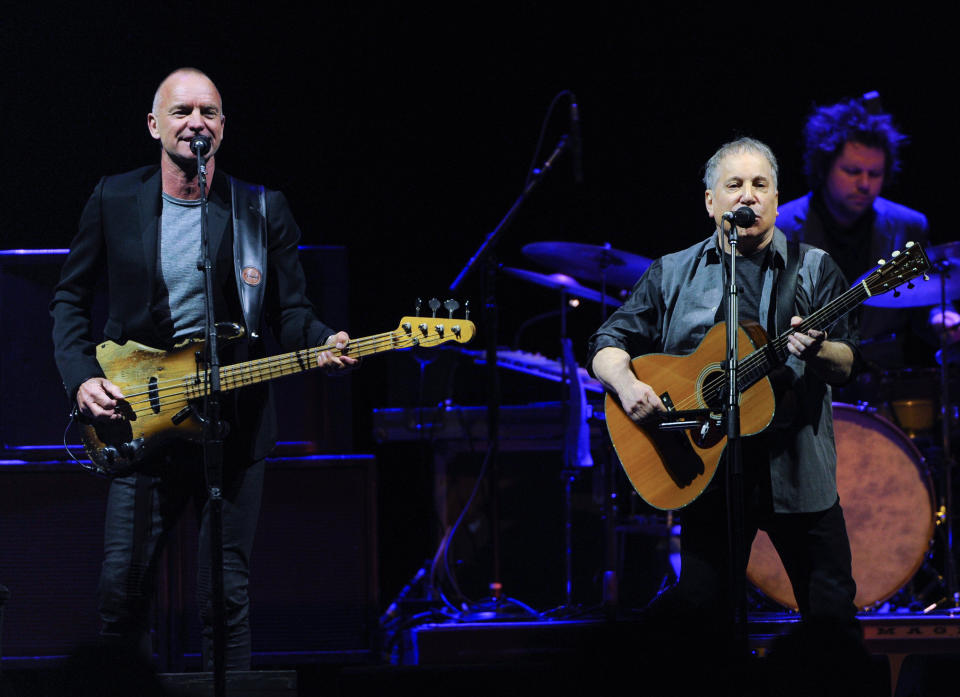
(685, 419)
(691, 418)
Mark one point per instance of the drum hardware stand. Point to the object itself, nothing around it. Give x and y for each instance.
(485, 258)
(576, 443)
(604, 265)
(610, 598)
(952, 600)
(936, 582)
(576, 457)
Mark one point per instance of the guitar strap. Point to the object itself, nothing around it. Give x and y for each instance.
(787, 289)
(780, 378)
(250, 250)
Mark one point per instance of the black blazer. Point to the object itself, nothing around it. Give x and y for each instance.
(884, 332)
(117, 242)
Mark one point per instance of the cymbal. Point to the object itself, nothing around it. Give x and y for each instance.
(944, 267)
(591, 262)
(559, 281)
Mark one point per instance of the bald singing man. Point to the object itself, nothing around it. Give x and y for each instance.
(139, 236)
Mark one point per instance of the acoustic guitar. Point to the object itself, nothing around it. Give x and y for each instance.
(163, 388)
(671, 460)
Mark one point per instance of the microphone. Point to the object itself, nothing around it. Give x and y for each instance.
(200, 145)
(743, 217)
(575, 142)
(404, 592)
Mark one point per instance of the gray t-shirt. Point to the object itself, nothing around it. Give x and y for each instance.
(179, 304)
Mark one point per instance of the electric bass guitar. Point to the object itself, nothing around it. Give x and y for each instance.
(671, 460)
(162, 388)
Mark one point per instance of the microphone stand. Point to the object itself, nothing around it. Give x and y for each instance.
(212, 441)
(734, 478)
(484, 257)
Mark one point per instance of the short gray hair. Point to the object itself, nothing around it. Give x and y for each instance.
(737, 146)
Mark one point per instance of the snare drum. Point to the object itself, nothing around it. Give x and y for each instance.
(887, 501)
(909, 397)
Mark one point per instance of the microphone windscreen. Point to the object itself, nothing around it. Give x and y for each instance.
(744, 217)
(200, 145)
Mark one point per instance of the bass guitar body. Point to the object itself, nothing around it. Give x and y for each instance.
(670, 468)
(156, 383)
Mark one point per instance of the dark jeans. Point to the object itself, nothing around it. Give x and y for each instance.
(142, 508)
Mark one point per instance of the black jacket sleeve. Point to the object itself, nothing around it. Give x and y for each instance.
(84, 268)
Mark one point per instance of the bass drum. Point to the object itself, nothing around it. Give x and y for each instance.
(887, 503)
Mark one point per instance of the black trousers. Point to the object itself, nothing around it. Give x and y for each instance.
(142, 509)
(688, 630)
(814, 548)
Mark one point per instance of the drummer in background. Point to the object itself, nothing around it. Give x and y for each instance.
(851, 151)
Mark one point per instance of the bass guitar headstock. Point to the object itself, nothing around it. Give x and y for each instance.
(431, 331)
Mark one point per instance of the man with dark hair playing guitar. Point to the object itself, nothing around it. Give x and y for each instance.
(788, 453)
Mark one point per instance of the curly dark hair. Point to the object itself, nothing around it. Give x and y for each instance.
(829, 128)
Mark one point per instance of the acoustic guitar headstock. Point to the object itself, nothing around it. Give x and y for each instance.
(903, 267)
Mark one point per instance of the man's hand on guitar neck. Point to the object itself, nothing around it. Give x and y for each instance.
(611, 365)
(333, 363)
(98, 398)
(831, 360)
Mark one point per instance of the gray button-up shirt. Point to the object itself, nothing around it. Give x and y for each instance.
(677, 301)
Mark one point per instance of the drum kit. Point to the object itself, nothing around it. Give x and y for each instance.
(894, 476)
(888, 451)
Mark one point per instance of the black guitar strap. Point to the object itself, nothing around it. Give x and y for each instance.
(785, 308)
(787, 288)
(250, 250)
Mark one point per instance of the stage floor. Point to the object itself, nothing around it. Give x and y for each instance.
(909, 654)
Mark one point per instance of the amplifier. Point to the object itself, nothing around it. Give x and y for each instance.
(313, 580)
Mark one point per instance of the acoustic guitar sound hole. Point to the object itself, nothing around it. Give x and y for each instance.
(714, 389)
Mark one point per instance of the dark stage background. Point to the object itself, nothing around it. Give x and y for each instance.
(404, 132)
